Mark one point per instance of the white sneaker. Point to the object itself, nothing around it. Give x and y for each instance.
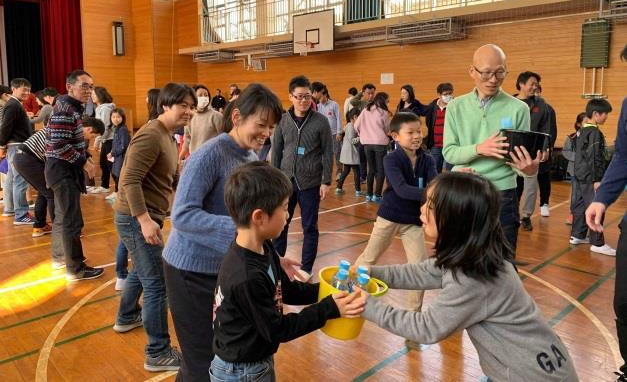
(57, 265)
(98, 190)
(120, 284)
(112, 196)
(574, 241)
(303, 276)
(89, 188)
(544, 210)
(603, 249)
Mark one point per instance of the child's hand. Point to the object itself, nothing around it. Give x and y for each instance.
(350, 305)
(290, 266)
(353, 269)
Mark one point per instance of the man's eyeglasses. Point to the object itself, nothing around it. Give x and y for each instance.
(300, 97)
(85, 86)
(499, 74)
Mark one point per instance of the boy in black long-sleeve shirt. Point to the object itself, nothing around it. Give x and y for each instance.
(249, 323)
(589, 170)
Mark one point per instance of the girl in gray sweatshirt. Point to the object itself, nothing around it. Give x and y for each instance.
(481, 290)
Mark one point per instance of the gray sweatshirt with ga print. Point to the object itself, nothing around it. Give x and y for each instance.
(513, 340)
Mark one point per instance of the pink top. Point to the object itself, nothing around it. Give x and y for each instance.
(373, 126)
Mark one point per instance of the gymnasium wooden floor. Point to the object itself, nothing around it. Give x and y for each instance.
(50, 330)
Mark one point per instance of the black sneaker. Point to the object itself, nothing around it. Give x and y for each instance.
(525, 223)
(168, 361)
(87, 273)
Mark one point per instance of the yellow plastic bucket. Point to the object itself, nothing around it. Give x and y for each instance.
(345, 328)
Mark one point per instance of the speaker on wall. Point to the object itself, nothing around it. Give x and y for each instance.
(118, 38)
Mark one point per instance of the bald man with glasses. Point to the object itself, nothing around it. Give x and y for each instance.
(472, 138)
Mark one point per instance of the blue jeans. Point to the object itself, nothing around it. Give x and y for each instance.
(510, 217)
(15, 187)
(309, 201)
(261, 371)
(147, 276)
(121, 261)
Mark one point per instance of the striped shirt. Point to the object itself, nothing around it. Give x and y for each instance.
(36, 144)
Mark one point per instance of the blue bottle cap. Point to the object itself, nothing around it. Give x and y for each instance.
(363, 279)
(342, 274)
(345, 264)
(362, 269)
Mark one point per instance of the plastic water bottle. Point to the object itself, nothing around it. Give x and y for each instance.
(362, 269)
(345, 264)
(362, 281)
(340, 281)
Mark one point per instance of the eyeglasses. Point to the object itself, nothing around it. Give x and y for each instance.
(300, 97)
(86, 86)
(499, 74)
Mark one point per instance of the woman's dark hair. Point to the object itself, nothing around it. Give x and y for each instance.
(153, 104)
(201, 86)
(579, 120)
(352, 91)
(173, 94)
(237, 91)
(380, 100)
(47, 92)
(400, 118)
(476, 244)
(255, 98)
(255, 185)
(122, 114)
(317, 86)
(103, 95)
(411, 98)
(352, 113)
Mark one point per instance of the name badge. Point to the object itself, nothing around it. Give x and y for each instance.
(300, 150)
(420, 182)
(506, 123)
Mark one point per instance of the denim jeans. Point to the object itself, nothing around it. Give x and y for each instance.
(309, 201)
(15, 187)
(121, 260)
(436, 153)
(261, 371)
(147, 276)
(510, 218)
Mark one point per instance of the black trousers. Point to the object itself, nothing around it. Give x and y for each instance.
(116, 180)
(105, 164)
(585, 196)
(32, 170)
(344, 175)
(374, 155)
(190, 298)
(620, 291)
(544, 184)
(67, 225)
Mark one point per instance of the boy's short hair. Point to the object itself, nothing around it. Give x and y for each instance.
(444, 87)
(524, 77)
(255, 185)
(173, 94)
(352, 91)
(299, 82)
(5, 90)
(400, 118)
(19, 82)
(97, 126)
(599, 105)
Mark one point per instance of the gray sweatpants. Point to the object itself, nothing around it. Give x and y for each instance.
(530, 193)
(584, 193)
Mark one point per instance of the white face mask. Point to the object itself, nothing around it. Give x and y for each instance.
(203, 102)
(447, 98)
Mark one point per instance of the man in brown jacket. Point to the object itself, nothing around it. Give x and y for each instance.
(146, 186)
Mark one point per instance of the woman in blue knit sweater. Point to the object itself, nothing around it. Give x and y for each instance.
(202, 229)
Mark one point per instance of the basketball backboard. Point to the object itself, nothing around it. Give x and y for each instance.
(313, 32)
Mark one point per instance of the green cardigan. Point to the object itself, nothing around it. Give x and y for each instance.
(467, 124)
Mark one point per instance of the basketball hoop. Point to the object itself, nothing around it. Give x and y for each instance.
(305, 47)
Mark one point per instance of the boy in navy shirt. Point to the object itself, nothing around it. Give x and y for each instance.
(249, 323)
(408, 170)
